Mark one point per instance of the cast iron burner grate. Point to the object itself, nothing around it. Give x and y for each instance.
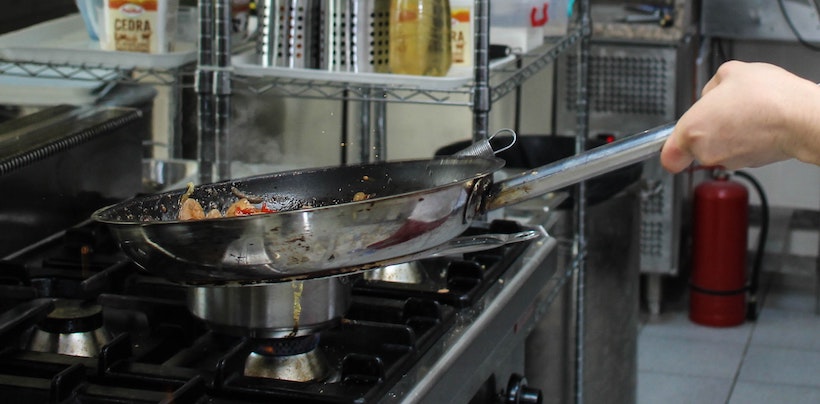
(160, 352)
(368, 355)
(455, 281)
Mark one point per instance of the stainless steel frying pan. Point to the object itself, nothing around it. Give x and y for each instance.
(416, 209)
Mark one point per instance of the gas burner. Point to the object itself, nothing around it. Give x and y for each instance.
(298, 359)
(74, 327)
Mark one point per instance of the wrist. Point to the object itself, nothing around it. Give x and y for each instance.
(802, 142)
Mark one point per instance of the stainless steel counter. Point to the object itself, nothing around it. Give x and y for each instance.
(487, 339)
(487, 343)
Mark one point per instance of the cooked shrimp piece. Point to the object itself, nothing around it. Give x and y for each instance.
(360, 196)
(240, 208)
(213, 213)
(191, 210)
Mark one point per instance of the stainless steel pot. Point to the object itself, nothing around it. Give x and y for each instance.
(272, 310)
(414, 208)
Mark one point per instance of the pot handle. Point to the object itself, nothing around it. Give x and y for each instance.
(577, 168)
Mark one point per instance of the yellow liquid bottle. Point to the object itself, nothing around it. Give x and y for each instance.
(420, 37)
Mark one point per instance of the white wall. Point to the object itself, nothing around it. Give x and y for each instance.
(789, 184)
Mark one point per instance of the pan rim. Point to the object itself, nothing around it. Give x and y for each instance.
(493, 165)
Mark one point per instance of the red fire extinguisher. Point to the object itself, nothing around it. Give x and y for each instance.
(717, 294)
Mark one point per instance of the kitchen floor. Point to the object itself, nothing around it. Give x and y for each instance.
(773, 359)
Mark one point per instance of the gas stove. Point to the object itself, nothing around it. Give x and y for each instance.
(79, 322)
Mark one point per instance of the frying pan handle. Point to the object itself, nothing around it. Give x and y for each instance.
(467, 244)
(577, 168)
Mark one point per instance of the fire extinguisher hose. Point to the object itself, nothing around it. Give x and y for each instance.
(754, 278)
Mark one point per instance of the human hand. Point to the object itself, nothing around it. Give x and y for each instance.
(750, 114)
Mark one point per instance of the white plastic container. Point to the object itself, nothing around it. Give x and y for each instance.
(522, 24)
(558, 21)
(146, 26)
(92, 13)
(461, 31)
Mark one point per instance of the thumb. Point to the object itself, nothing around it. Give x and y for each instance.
(673, 158)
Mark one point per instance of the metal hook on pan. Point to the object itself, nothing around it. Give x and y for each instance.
(483, 148)
(512, 142)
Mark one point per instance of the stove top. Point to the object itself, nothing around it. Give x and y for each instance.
(79, 322)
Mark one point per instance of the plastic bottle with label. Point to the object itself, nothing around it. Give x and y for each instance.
(462, 12)
(420, 42)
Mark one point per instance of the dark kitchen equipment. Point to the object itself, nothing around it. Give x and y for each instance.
(610, 294)
(50, 165)
(393, 344)
(610, 290)
(415, 206)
